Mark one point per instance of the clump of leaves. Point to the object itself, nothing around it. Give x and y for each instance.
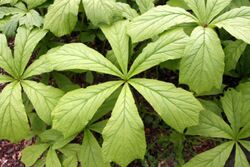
(124, 132)
(19, 14)
(13, 118)
(236, 108)
(203, 63)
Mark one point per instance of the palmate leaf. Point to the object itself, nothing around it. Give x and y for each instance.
(202, 66)
(236, 22)
(214, 157)
(32, 153)
(6, 59)
(119, 41)
(244, 88)
(13, 119)
(100, 11)
(124, 138)
(211, 125)
(240, 158)
(79, 56)
(91, 152)
(25, 42)
(12, 2)
(62, 16)
(44, 98)
(75, 109)
(145, 5)
(157, 20)
(126, 11)
(5, 11)
(177, 107)
(233, 51)
(5, 79)
(169, 46)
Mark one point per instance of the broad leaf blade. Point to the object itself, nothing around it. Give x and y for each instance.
(236, 22)
(169, 46)
(6, 59)
(13, 119)
(5, 79)
(157, 20)
(32, 153)
(62, 16)
(202, 66)
(32, 4)
(145, 5)
(77, 107)
(214, 157)
(25, 43)
(199, 8)
(177, 107)
(214, 7)
(211, 125)
(100, 11)
(124, 132)
(80, 57)
(119, 40)
(44, 98)
(52, 159)
(38, 67)
(240, 158)
(91, 152)
(233, 51)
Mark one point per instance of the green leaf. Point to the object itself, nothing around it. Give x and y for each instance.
(10, 27)
(44, 98)
(244, 88)
(178, 3)
(177, 107)
(5, 11)
(25, 43)
(52, 159)
(70, 161)
(119, 41)
(211, 125)
(5, 79)
(124, 133)
(99, 126)
(78, 56)
(240, 158)
(212, 106)
(169, 46)
(13, 119)
(32, 4)
(236, 22)
(214, 157)
(157, 20)
(91, 153)
(199, 9)
(239, 3)
(64, 83)
(76, 108)
(202, 66)
(232, 103)
(245, 144)
(100, 11)
(126, 11)
(6, 59)
(145, 5)
(233, 51)
(214, 7)
(12, 2)
(38, 67)
(31, 18)
(62, 17)
(245, 131)
(32, 153)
